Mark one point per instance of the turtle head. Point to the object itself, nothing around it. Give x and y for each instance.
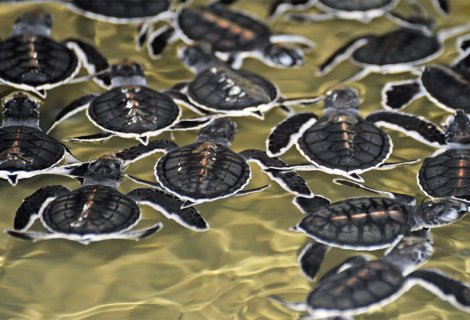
(221, 131)
(35, 22)
(127, 73)
(107, 170)
(283, 57)
(439, 212)
(411, 251)
(20, 108)
(458, 128)
(345, 100)
(197, 58)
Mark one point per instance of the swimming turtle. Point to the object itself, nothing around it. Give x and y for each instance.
(446, 86)
(208, 169)
(360, 10)
(414, 43)
(233, 35)
(220, 89)
(97, 210)
(30, 60)
(359, 285)
(367, 223)
(25, 150)
(130, 109)
(340, 142)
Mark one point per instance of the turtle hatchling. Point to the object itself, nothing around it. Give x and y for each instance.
(367, 223)
(97, 210)
(208, 169)
(130, 109)
(30, 60)
(359, 10)
(233, 35)
(446, 86)
(220, 89)
(414, 43)
(359, 285)
(25, 150)
(340, 142)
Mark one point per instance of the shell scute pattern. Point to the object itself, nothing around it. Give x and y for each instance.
(91, 209)
(133, 109)
(203, 171)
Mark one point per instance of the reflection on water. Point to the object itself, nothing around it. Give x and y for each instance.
(227, 272)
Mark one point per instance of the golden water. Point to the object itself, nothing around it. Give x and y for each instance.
(248, 254)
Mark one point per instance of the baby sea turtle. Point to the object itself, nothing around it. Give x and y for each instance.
(360, 10)
(223, 90)
(446, 86)
(30, 60)
(25, 150)
(358, 285)
(130, 109)
(400, 50)
(367, 223)
(97, 210)
(233, 35)
(208, 169)
(340, 142)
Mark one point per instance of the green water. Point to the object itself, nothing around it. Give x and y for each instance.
(248, 254)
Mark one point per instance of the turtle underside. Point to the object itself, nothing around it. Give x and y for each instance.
(124, 8)
(203, 171)
(91, 209)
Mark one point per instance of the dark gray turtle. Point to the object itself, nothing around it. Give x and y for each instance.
(25, 150)
(31, 60)
(446, 86)
(97, 210)
(340, 142)
(414, 43)
(208, 169)
(226, 91)
(360, 10)
(359, 285)
(367, 223)
(233, 35)
(130, 109)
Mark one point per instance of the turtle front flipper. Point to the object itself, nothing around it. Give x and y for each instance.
(158, 40)
(288, 180)
(412, 126)
(32, 206)
(441, 6)
(33, 236)
(346, 264)
(170, 206)
(286, 133)
(192, 124)
(398, 95)
(139, 234)
(140, 151)
(143, 31)
(446, 288)
(340, 55)
(93, 61)
(73, 108)
(97, 137)
(311, 258)
(307, 205)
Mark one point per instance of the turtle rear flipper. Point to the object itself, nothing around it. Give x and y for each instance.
(73, 108)
(286, 133)
(97, 137)
(158, 40)
(170, 206)
(441, 6)
(398, 95)
(448, 289)
(311, 258)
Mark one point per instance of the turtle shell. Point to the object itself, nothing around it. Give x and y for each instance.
(224, 89)
(357, 289)
(35, 61)
(356, 5)
(397, 47)
(358, 223)
(345, 143)
(203, 171)
(226, 30)
(447, 174)
(28, 149)
(133, 109)
(92, 209)
(447, 86)
(124, 9)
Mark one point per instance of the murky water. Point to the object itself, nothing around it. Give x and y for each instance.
(248, 254)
